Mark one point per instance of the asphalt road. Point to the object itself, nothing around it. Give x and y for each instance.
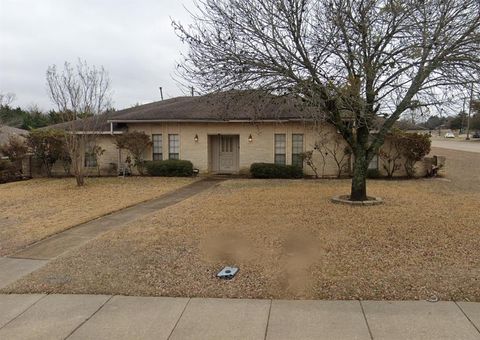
(471, 146)
(461, 169)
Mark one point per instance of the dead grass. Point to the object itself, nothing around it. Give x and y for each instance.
(289, 241)
(34, 209)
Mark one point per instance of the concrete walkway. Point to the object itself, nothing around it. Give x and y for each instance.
(57, 244)
(120, 317)
(38, 254)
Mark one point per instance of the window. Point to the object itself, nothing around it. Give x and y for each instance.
(90, 160)
(157, 147)
(173, 147)
(226, 144)
(373, 163)
(280, 148)
(297, 150)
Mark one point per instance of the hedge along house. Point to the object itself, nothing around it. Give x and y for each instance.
(225, 134)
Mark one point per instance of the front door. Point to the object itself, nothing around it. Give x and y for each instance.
(228, 155)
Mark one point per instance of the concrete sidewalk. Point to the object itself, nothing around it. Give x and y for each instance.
(120, 317)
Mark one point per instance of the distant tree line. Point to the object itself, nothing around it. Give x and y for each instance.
(27, 119)
(455, 122)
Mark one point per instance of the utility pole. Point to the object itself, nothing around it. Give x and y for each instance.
(469, 113)
(161, 92)
(192, 91)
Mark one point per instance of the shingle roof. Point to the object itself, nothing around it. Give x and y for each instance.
(97, 123)
(219, 107)
(7, 131)
(225, 106)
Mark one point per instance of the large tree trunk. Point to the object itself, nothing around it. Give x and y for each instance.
(359, 180)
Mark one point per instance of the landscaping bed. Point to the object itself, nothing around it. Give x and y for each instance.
(289, 241)
(34, 209)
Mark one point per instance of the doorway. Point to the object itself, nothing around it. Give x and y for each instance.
(224, 151)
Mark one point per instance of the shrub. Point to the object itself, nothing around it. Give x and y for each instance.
(404, 147)
(414, 147)
(15, 149)
(270, 170)
(47, 146)
(137, 143)
(169, 168)
(373, 173)
(8, 172)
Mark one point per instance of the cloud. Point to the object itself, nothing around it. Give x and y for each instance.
(133, 40)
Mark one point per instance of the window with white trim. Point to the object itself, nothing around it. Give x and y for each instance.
(157, 148)
(90, 160)
(173, 147)
(297, 150)
(280, 149)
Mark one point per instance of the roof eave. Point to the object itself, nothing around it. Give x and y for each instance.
(208, 120)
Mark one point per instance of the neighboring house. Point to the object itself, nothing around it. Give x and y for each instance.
(222, 135)
(6, 132)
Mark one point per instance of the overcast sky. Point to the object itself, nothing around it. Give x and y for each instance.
(132, 39)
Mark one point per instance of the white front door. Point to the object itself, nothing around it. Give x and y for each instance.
(228, 155)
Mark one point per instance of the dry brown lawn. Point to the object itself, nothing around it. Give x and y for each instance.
(34, 209)
(289, 241)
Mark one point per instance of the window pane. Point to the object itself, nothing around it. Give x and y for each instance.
(226, 144)
(280, 159)
(297, 149)
(173, 146)
(280, 143)
(157, 147)
(297, 144)
(90, 160)
(280, 148)
(297, 160)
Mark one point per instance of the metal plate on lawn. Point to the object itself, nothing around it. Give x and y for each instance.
(227, 273)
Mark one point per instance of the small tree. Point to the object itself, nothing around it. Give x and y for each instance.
(137, 143)
(81, 94)
(47, 146)
(390, 154)
(66, 161)
(329, 144)
(405, 149)
(307, 157)
(98, 151)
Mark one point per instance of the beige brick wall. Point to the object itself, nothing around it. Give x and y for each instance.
(106, 162)
(260, 149)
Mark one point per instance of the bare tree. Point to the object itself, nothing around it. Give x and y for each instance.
(330, 145)
(308, 158)
(82, 94)
(391, 157)
(354, 60)
(6, 98)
